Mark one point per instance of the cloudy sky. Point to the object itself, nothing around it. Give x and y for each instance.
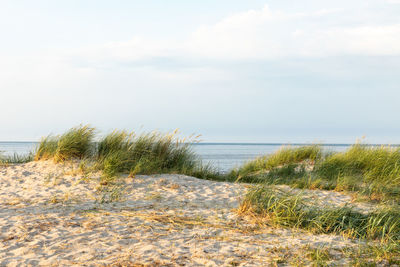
(241, 71)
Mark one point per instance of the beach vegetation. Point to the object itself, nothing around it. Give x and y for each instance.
(371, 172)
(15, 158)
(279, 208)
(47, 148)
(285, 157)
(126, 152)
(319, 256)
(374, 171)
(146, 153)
(76, 143)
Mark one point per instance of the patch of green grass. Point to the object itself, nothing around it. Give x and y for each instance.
(123, 152)
(284, 156)
(147, 153)
(284, 209)
(286, 174)
(383, 254)
(47, 148)
(150, 153)
(373, 172)
(319, 256)
(113, 142)
(205, 171)
(15, 159)
(76, 143)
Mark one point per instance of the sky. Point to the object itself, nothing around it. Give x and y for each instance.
(230, 70)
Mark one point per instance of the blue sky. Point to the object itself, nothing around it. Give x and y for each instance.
(245, 71)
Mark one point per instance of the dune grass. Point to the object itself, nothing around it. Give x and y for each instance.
(124, 152)
(76, 143)
(372, 172)
(16, 159)
(146, 153)
(285, 156)
(378, 231)
(47, 148)
(386, 254)
(375, 171)
(284, 209)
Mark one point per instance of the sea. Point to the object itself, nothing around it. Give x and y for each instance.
(222, 156)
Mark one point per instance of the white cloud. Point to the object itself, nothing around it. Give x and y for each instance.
(365, 40)
(261, 34)
(268, 34)
(252, 35)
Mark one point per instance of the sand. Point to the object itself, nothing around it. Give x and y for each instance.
(53, 215)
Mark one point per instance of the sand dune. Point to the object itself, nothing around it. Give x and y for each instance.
(51, 215)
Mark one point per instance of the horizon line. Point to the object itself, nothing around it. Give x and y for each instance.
(259, 143)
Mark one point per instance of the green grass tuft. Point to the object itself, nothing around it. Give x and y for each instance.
(115, 141)
(16, 159)
(47, 148)
(77, 143)
(372, 172)
(147, 153)
(283, 157)
(284, 209)
(123, 152)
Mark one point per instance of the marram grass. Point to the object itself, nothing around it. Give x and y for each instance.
(15, 159)
(146, 153)
(76, 143)
(284, 156)
(124, 152)
(373, 172)
(370, 164)
(47, 148)
(283, 209)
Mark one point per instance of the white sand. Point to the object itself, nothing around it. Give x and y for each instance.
(51, 216)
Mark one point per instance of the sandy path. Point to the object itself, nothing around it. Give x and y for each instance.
(51, 216)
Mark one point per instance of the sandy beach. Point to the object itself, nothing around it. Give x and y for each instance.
(52, 215)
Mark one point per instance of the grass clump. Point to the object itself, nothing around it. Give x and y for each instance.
(125, 152)
(372, 172)
(283, 209)
(47, 148)
(286, 156)
(147, 153)
(15, 159)
(113, 142)
(113, 153)
(319, 256)
(77, 143)
(387, 254)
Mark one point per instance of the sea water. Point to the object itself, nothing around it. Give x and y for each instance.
(223, 156)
